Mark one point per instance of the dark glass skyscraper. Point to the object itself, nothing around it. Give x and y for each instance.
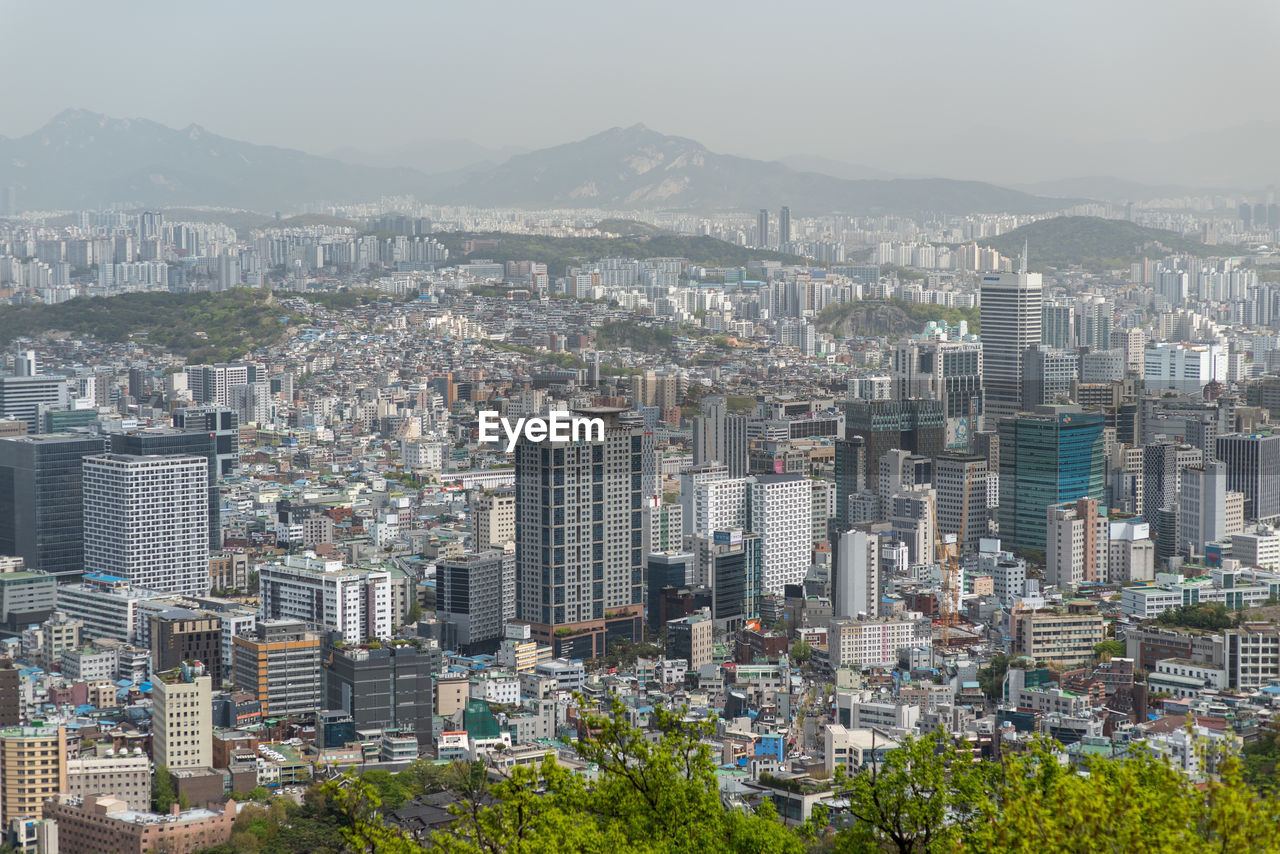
(42, 500)
(1053, 456)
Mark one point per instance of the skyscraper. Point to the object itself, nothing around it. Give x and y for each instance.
(851, 473)
(961, 481)
(41, 500)
(1253, 468)
(476, 598)
(762, 229)
(950, 371)
(1011, 322)
(784, 227)
(579, 559)
(146, 518)
(915, 425)
(1202, 507)
(1047, 458)
(170, 441)
(720, 437)
(781, 509)
(855, 574)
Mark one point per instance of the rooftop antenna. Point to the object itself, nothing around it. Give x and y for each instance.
(1022, 267)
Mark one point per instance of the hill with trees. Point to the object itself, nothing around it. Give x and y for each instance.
(560, 253)
(1093, 243)
(201, 327)
(893, 318)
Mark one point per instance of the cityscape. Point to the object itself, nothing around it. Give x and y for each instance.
(591, 488)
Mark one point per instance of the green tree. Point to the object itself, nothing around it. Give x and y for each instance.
(801, 652)
(1109, 649)
(163, 792)
(925, 798)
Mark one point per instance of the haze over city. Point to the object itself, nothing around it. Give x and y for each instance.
(994, 91)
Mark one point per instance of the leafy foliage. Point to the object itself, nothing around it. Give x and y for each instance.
(164, 793)
(560, 253)
(1212, 616)
(1111, 648)
(627, 333)
(202, 327)
(1092, 242)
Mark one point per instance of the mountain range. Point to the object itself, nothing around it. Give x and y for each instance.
(82, 159)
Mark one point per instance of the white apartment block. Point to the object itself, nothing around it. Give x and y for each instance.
(328, 595)
(719, 505)
(146, 518)
(781, 514)
(861, 644)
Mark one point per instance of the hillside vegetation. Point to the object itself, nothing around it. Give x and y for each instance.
(889, 317)
(560, 253)
(201, 327)
(1094, 243)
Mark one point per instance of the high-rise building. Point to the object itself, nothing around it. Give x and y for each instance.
(179, 635)
(1202, 503)
(916, 425)
(855, 574)
(328, 595)
(1047, 458)
(223, 423)
(579, 557)
(146, 518)
(720, 437)
(182, 718)
(781, 510)
(1047, 376)
(280, 667)
(1187, 368)
(388, 688)
(717, 505)
(476, 598)
(493, 513)
(961, 484)
(851, 473)
(42, 502)
(1253, 468)
(1011, 322)
(211, 385)
(1159, 479)
(762, 229)
(1077, 544)
(784, 228)
(173, 442)
(33, 767)
(1058, 325)
(664, 570)
(24, 397)
(949, 371)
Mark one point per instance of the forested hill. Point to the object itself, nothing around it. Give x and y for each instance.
(201, 327)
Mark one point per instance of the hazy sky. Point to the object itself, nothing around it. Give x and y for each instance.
(908, 85)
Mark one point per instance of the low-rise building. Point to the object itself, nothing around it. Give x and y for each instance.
(98, 824)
